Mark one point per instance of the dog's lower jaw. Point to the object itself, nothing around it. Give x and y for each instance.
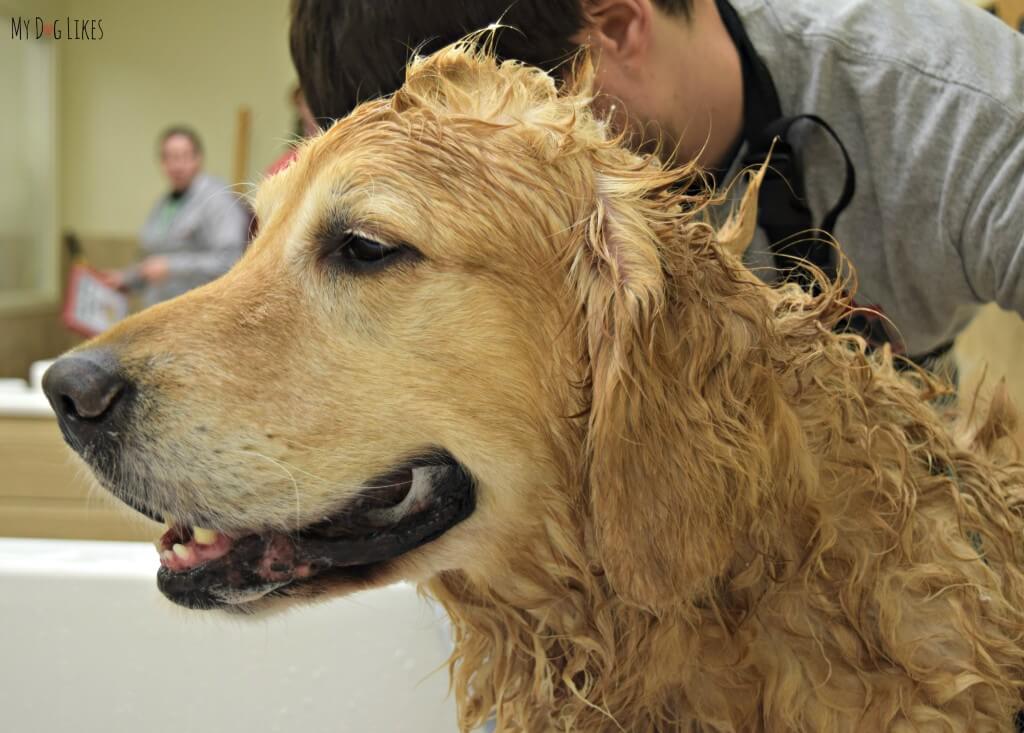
(395, 514)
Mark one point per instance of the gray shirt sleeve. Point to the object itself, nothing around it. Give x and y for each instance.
(992, 240)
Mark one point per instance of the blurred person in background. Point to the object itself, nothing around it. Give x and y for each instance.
(194, 233)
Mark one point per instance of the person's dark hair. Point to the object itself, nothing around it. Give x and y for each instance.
(349, 51)
(183, 131)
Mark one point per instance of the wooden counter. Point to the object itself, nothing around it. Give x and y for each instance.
(46, 491)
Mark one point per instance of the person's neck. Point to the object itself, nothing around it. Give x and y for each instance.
(704, 104)
(179, 192)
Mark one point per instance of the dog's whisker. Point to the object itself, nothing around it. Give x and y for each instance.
(288, 470)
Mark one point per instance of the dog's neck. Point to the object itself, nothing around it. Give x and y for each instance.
(556, 636)
(743, 472)
(550, 639)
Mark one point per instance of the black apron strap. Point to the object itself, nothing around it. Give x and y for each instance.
(783, 213)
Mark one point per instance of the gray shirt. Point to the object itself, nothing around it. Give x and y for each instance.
(928, 98)
(202, 235)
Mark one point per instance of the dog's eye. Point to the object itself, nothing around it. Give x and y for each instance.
(358, 249)
(356, 253)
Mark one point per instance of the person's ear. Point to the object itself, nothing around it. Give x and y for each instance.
(619, 29)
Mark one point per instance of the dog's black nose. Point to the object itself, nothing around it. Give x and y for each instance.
(85, 390)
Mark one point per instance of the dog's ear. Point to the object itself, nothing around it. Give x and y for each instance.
(675, 443)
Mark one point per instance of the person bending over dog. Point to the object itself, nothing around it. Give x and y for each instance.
(194, 233)
(924, 96)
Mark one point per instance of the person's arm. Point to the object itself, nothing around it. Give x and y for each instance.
(132, 279)
(224, 231)
(992, 240)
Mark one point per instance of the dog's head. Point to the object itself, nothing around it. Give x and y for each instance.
(465, 304)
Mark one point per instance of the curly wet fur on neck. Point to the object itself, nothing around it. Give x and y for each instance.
(758, 526)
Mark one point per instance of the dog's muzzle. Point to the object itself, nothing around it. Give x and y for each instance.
(411, 505)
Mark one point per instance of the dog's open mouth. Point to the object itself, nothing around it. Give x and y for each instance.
(396, 513)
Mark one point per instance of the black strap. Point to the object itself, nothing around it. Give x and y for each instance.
(783, 213)
(761, 145)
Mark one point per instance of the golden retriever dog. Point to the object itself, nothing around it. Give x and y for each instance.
(480, 345)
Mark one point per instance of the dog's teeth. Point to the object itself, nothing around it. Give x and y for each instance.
(181, 551)
(204, 536)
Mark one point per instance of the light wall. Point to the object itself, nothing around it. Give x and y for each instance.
(158, 63)
(162, 63)
(28, 206)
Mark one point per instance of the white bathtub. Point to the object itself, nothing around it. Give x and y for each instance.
(88, 644)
